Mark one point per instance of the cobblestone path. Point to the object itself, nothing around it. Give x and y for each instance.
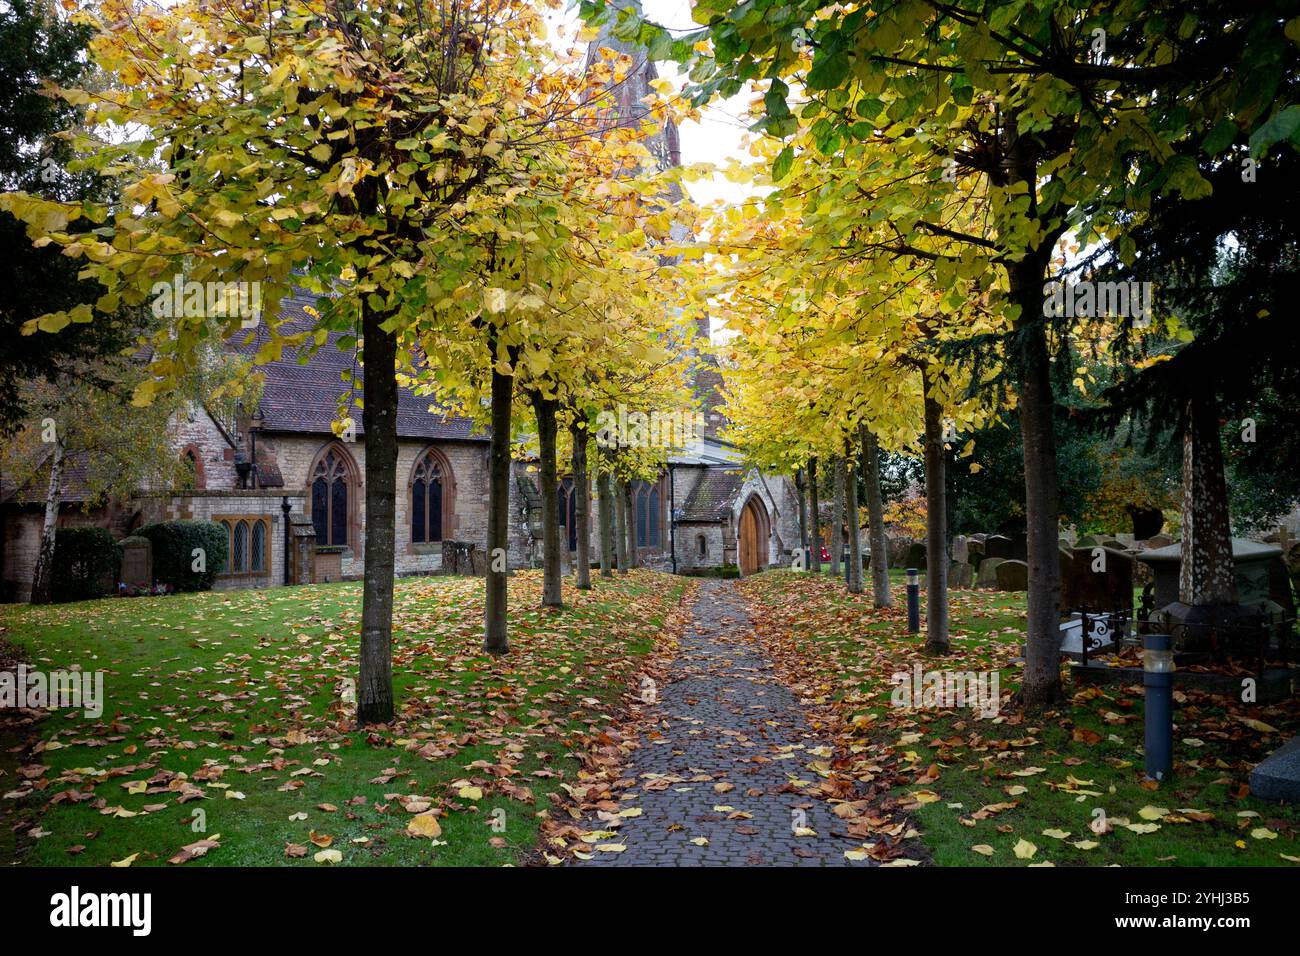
(719, 785)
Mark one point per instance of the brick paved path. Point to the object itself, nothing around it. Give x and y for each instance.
(732, 737)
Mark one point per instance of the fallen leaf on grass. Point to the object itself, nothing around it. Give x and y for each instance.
(197, 849)
(424, 825)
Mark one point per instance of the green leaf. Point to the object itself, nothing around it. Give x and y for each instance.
(1280, 126)
(781, 166)
(1220, 137)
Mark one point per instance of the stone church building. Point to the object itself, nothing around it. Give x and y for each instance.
(277, 473)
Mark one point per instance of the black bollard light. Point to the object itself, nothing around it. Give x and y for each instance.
(913, 600)
(1158, 681)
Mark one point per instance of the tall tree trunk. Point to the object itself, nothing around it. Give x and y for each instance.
(815, 518)
(799, 486)
(607, 521)
(1207, 575)
(837, 516)
(1041, 686)
(43, 574)
(581, 503)
(629, 505)
(851, 507)
(379, 418)
(875, 520)
(552, 571)
(620, 526)
(936, 529)
(495, 640)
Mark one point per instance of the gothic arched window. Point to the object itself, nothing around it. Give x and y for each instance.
(427, 498)
(646, 497)
(330, 488)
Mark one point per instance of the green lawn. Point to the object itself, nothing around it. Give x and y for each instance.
(232, 704)
(965, 782)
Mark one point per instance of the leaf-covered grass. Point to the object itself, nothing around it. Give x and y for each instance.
(233, 704)
(992, 783)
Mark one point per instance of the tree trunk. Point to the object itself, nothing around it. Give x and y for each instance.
(1207, 575)
(607, 522)
(581, 504)
(815, 519)
(495, 640)
(1042, 674)
(803, 516)
(620, 526)
(43, 574)
(837, 517)
(936, 530)
(851, 507)
(629, 505)
(552, 570)
(379, 418)
(875, 520)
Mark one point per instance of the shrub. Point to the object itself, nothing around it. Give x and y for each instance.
(85, 564)
(173, 552)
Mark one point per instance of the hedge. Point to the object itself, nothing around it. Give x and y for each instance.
(86, 561)
(173, 552)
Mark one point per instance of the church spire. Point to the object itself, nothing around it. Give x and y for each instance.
(627, 97)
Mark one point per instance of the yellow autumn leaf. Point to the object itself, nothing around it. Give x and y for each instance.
(424, 825)
(1024, 850)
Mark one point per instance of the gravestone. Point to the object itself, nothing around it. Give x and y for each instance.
(987, 576)
(302, 549)
(137, 562)
(1009, 549)
(463, 558)
(1098, 581)
(1277, 778)
(1012, 576)
(1250, 558)
(960, 575)
(1158, 541)
(1198, 627)
(975, 552)
(898, 548)
(960, 548)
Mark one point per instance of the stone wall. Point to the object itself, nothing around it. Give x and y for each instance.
(297, 455)
(215, 504)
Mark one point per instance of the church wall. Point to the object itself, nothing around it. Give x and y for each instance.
(297, 454)
(199, 433)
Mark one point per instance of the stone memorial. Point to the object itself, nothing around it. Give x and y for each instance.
(960, 575)
(1098, 580)
(988, 573)
(1012, 576)
(137, 562)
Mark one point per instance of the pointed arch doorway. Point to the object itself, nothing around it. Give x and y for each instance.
(755, 530)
